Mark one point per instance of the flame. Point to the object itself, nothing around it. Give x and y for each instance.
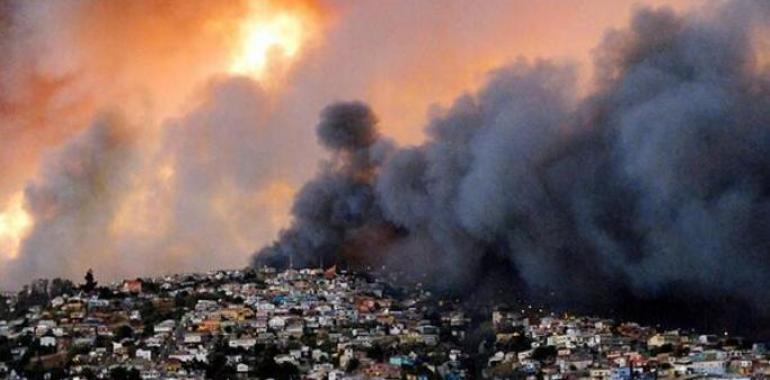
(15, 223)
(266, 35)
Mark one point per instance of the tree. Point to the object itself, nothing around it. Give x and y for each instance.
(217, 367)
(353, 365)
(124, 332)
(5, 349)
(269, 369)
(287, 371)
(35, 294)
(122, 373)
(36, 369)
(544, 353)
(5, 309)
(517, 343)
(90, 284)
(60, 287)
(376, 352)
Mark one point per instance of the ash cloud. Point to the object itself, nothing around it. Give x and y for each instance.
(655, 185)
(196, 198)
(331, 209)
(224, 159)
(74, 200)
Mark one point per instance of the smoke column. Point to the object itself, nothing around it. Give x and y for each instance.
(130, 134)
(654, 186)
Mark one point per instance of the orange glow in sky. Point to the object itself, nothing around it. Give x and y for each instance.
(268, 36)
(280, 34)
(14, 225)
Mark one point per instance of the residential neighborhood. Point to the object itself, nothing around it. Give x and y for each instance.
(331, 324)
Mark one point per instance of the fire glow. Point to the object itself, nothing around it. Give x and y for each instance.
(14, 225)
(266, 36)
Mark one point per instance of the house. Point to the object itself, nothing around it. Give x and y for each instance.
(295, 328)
(600, 373)
(245, 343)
(574, 362)
(621, 373)
(382, 370)
(166, 326)
(193, 338)
(182, 357)
(659, 340)
(143, 354)
(48, 341)
(401, 360)
(709, 367)
(150, 374)
(173, 365)
(280, 359)
(206, 305)
(277, 323)
(132, 286)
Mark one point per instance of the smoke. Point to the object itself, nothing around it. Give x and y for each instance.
(226, 177)
(65, 62)
(75, 200)
(209, 160)
(330, 209)
(653, 186)
(105, 199)
(184, 190)
(197, 195)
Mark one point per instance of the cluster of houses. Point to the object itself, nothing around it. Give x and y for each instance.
(562, 347)
(311, 323)
(329, 324)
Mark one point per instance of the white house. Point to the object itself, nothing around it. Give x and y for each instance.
(143, 354)
(48, 341)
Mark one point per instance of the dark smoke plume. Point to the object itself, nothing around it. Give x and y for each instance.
(330, 209)
(656, 187)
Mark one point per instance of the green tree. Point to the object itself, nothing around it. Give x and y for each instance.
(123, 332)
(218, 368)
(59, 287)
(376, 352)
(5, 309)
(544, 353)
(122, 373)
(353, 365)
(90, 284)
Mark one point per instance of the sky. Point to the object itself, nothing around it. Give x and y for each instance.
(155, 137)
